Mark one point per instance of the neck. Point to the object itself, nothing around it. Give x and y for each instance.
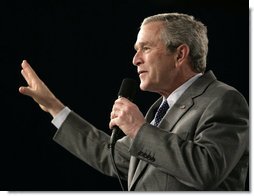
(184, 78)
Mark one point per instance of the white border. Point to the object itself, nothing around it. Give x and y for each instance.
(251, 53)
(251, 5)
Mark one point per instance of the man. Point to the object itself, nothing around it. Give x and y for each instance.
(202, 141)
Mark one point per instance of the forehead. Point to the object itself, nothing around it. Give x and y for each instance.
(149, 33)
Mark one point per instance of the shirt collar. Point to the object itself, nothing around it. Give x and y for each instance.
(175, 95)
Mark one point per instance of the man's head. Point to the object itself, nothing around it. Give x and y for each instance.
(184, 29)
(170, 49)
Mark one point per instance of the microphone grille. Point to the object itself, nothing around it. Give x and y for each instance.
(128, 89)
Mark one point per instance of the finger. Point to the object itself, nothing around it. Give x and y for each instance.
(112, 123)
(112, 115)
(28, 70)
(122, 100)
(26, 77)
(118, 105)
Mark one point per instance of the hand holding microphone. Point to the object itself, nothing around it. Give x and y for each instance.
(125, 115)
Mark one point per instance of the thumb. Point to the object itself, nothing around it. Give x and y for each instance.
(26, 91)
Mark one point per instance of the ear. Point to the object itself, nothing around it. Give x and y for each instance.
(182, 53)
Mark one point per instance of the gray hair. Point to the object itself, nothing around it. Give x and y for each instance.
(184, 29)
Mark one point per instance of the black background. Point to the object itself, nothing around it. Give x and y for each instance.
(82, 50)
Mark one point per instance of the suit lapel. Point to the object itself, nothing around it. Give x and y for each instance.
(186, 101)
(137, 171)
(132, 169)
(183, 104)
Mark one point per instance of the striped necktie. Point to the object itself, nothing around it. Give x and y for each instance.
(161, 112)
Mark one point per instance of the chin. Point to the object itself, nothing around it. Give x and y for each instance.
(143, 86)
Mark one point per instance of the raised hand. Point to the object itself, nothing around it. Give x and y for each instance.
(37, 90)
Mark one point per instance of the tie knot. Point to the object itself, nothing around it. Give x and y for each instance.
(161, 112)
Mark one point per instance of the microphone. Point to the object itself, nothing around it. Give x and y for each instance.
(128, 89)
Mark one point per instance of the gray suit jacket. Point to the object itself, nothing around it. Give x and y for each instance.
(200, 144)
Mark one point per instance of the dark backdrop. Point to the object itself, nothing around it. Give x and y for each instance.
(83, 50)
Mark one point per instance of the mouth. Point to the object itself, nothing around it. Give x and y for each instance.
(141, 72)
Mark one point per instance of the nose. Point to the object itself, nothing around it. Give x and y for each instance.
(137, 59)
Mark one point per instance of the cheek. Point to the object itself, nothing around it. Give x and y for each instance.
(149, 79)
(158, 68)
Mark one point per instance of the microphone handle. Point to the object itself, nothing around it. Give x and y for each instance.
(115, 135)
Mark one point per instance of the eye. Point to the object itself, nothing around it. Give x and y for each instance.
(145, 48)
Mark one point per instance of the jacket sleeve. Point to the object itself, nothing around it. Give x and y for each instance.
(205, 159)
(91, 145)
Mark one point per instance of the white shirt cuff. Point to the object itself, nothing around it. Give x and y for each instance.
(60, 117)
